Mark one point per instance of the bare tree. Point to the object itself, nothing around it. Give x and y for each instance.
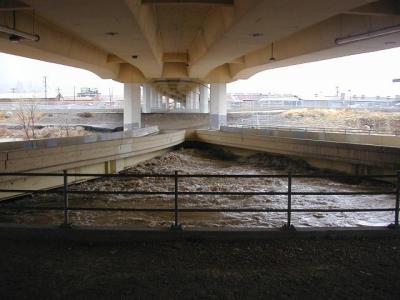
(64, 123)
(27, 115)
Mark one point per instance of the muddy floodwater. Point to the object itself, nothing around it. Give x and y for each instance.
(194, 161)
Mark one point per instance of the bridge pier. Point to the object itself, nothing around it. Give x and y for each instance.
(146, 98)
(218, 111)
(132, 106)
(204, 93)
(188, 104)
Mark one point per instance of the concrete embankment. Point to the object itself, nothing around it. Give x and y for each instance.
(340, 137)
(100, 154)
(338, 154)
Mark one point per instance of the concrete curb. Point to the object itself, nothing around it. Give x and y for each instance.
(117, 235)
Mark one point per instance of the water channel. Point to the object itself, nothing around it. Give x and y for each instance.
(194, 161)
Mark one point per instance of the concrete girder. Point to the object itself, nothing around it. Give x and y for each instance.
(59, 46)
(113, 25)
(380, 8)
(130, 74)
(185, 44)
(228, 32)
(147, 22)
(318, 43)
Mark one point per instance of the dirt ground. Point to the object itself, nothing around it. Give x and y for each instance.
(304, 117)
(322, 118)
(44, 133)
(287, 269)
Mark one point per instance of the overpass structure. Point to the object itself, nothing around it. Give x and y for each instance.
(182, 53)
(171, 52)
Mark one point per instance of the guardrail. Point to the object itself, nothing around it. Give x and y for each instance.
(176, 193)
(320, 129)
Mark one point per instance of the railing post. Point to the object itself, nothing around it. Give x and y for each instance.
(176, 225)
(396, 212)
(288, 225)
(395, 225)
(289, 214)
(66, 223)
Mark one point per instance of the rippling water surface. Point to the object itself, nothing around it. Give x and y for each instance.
(191, 161)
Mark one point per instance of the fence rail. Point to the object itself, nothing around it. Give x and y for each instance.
(176, 210)
(321, 129)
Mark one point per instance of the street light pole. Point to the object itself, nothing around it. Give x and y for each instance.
(45, 87)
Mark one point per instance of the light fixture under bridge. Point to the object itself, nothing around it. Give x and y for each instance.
(367, 35)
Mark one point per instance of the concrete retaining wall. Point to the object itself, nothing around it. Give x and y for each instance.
(344, 157)
(100, 157)
(365, 139)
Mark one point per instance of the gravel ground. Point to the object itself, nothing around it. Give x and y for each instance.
(290, 269)
(322, 118)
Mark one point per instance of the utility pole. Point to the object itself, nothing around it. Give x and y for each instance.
(59, 96)
(110, 93)
(45, 87)
(74, 93)
(350, 98)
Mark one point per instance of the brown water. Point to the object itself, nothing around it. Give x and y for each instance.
(191, 161)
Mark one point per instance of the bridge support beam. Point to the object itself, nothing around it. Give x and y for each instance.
(218, 112)
(132, 106)
(159, 101)
(147, 98)
(154, 99)
(189, 103)
(204, 99)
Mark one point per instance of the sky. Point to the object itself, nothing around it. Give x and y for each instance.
(368, 74)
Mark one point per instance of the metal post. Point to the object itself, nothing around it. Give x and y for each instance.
(396, 213)
(176, 225)
(66, 223)
(289, 213)
(288, 225)
(397, 206)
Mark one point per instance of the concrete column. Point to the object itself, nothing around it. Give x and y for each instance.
(132, 106)
(188, 105)
(218, 112)
(194, 98)
(147, 98)
(197, 98)
(159, 101)
(204, 99)
(153, 96)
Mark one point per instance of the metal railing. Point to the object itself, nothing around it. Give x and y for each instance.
(176, 210)
(321, 129)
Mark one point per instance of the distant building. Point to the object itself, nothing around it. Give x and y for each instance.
(88, 92)
(253, 101)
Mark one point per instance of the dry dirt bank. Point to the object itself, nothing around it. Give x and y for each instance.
(335, 118)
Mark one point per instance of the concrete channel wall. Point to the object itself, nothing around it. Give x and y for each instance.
(358, 159)
(101, 154)
(353, 138)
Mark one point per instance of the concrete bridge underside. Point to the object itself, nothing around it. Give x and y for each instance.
(169, 52)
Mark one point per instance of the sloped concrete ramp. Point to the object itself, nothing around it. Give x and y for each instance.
(101, 154)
